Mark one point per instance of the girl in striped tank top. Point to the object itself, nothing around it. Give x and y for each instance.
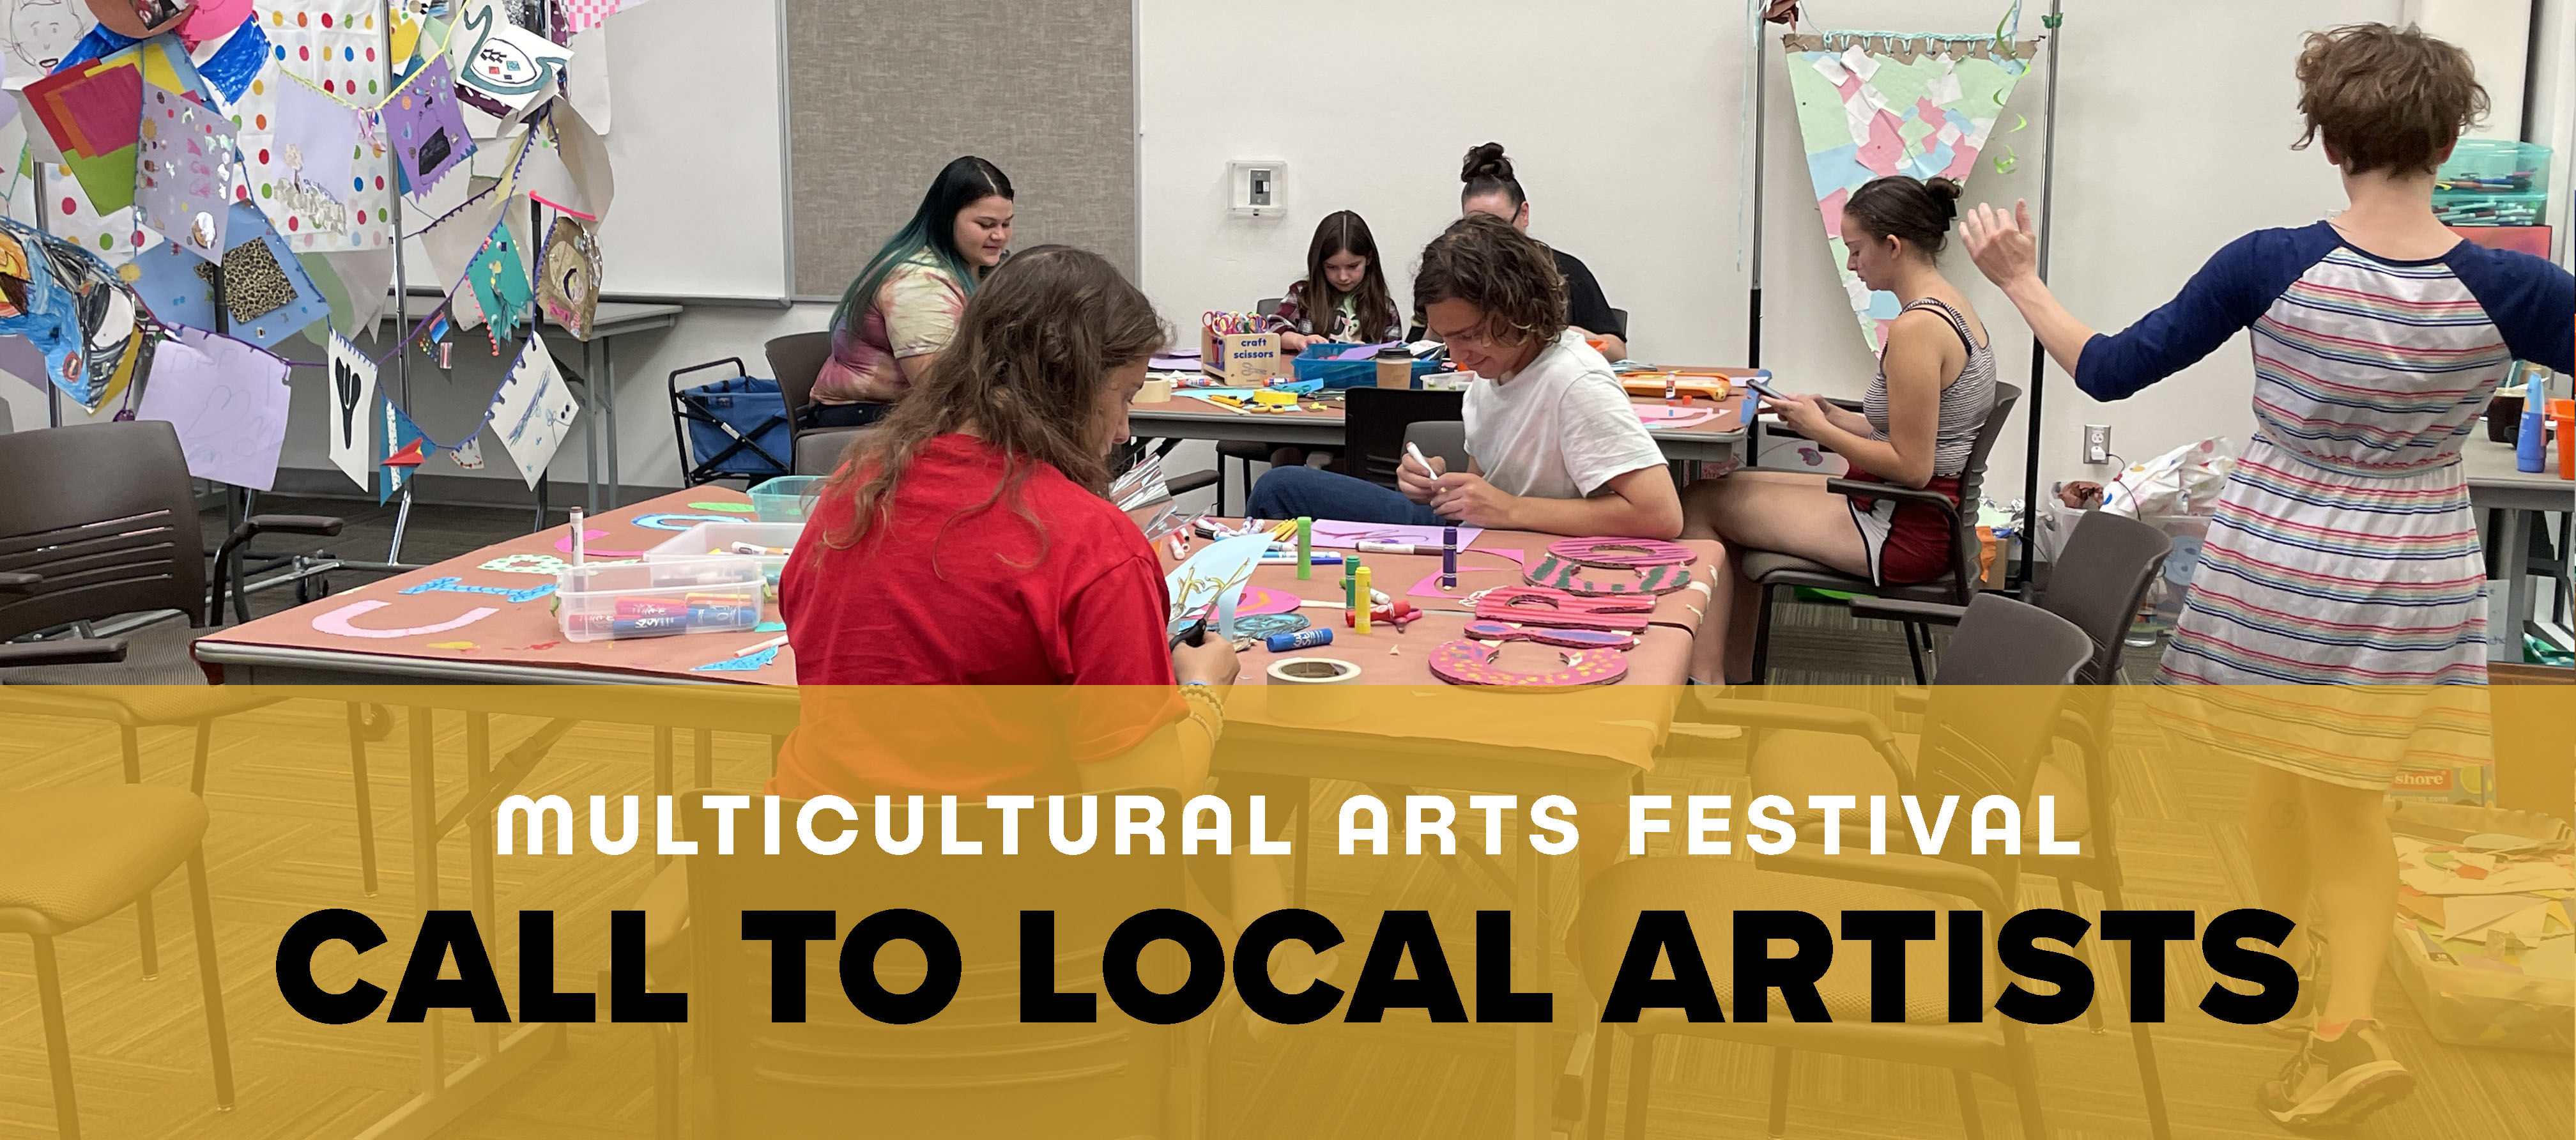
(2343, 549)
(1918, 421)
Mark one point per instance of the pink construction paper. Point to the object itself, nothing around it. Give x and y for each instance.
(565, 544)
(1264, 600)
(337, 621)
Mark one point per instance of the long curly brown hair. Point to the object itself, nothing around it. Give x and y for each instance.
(1034, 348)
(1484, 261)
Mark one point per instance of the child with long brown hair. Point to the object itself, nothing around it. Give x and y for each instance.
(1344, 295)
(965, 542)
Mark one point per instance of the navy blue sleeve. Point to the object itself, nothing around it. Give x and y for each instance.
(2228, 294)
(2532, 302)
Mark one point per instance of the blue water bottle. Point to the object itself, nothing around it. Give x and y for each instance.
(2531, 448)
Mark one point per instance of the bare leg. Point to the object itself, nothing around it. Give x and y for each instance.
(1760, 510)
(2353, 872)
(2277, 839)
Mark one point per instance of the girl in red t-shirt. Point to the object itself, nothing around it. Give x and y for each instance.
(965, 543)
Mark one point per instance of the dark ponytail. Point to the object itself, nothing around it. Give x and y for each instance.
(1486, 171)
(1896, 206)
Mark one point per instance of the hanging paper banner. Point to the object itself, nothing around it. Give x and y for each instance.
(569, 289)
(426, 128)
(227, 401)
(166, 278)
(502, 67)
(566, 165)
(405, 447)
(500, 282)
(94, 334)
(469, 454)
(351, 406)
(90, 112)
(1877, 104)
(264, 288)
(583, 15)
(355, 212)
(532, 410)
(184, 171)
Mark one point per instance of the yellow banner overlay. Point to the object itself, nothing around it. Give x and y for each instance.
(1374, 911)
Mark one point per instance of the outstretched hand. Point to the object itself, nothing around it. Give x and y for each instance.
(2005, 248)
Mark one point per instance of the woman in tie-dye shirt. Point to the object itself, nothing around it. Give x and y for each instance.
(902, 309)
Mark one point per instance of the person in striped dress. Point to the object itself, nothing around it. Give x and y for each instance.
(2343, 549)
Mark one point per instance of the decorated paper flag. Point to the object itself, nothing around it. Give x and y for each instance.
(228, 403)
(351, 409)
(532, 410)
(404, 449)
(1866, 115)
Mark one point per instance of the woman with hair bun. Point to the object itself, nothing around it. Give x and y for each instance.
(1491, 189)
(1934, 388)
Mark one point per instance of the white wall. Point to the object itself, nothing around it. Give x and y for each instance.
(2173, 139)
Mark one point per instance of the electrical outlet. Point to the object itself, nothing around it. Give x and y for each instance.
(2097, 443)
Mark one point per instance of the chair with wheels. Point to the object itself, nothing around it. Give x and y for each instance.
(72, 856)
(1977, 742)
(1773, 572)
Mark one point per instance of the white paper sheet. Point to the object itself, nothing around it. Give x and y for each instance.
(351, 402)
(532, 410)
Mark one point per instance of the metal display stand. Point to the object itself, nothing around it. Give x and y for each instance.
(2016, 579)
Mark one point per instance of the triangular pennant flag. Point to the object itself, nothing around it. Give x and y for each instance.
(406, 447)
(1869, 114)
(532, 409)
(469, 454)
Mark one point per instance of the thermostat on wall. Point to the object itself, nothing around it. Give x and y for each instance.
(1253, 187)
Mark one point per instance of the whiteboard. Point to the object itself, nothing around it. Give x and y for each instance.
(696, 141)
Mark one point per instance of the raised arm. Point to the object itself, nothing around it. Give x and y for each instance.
(2228, 294)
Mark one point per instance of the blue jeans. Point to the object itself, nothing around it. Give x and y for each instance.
(1304, 492)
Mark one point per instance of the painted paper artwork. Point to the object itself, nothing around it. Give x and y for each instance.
(500, 283)
(35, 35)
(77, 313)
(503, 67)
(227, 401)
(184, 171)
(532, 410)
(1877, 104)
(350, 410)
(405, 447)
(358, 211)
(1213, 579)
(569, 291)
(425, 128)
(230, 68)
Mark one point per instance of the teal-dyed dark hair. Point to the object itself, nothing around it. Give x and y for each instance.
(933, 227)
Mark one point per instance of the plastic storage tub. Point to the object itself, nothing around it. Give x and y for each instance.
(785, 499)
(2493, 182)
(658, 598)
(753, 540)
(1317, 363)
(2497, 1002)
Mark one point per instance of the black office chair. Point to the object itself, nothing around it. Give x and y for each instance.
(1374, 421)
(1978, 741)
(1772, 571)
(76, 548)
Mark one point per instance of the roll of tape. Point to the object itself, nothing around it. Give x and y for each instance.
(1313, 671)
(1313, 690)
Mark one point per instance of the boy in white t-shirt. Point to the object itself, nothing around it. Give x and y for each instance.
(1552, 441)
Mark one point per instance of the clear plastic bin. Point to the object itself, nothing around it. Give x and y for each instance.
(661, 597)
(2493, 182)
(786, 498)
(751, 540)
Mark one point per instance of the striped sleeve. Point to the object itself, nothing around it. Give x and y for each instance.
(2235, 287)
(2532, 302)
